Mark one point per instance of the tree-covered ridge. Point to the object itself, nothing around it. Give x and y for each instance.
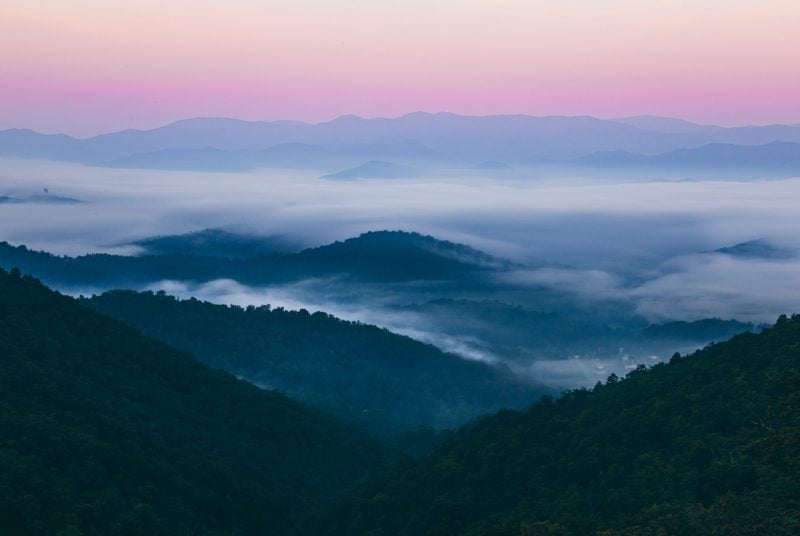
(105, 431)
(398, 255)
(358, 371)
(706, 444)
(383, 256)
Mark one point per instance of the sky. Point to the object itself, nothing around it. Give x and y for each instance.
(89, 66)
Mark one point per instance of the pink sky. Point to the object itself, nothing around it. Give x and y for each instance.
(87, 66)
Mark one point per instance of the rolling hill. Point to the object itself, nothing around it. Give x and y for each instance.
(359, 372)
(379, 256)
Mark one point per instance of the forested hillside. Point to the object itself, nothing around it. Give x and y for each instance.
(104, 431)
(380, 256)
(705, 444)
(360, 372)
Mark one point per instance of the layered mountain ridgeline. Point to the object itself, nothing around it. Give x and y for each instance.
(230, 144)
(284, 155)
(715, 160)
(706, 444)
(375, 169)
(378, 256)
(106, 431)
(360, 372)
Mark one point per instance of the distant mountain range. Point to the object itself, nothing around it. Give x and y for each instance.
(284, 155)
(777, 157)
(375, 169)
(220, 144)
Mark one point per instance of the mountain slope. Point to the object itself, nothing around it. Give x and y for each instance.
(360, 372)
(105, 431)
(707, 444)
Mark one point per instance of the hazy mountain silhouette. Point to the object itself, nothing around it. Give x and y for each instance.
(758, 249)
(517, 139)
(39, 198)
(283, 155)
(375, 169)
(668, 125)
(216, 243)
(773, 158)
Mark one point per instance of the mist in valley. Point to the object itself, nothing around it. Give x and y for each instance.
(622, 251)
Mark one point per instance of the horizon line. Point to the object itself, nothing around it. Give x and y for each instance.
(339, 117)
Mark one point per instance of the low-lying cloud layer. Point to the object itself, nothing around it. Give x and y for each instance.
(640, 243)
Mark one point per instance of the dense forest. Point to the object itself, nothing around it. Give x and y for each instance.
(360, 372)
(104, 431)
(704, 444)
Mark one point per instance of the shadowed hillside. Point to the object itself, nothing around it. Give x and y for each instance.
(105, 431)
(706, 444)
(360, 372)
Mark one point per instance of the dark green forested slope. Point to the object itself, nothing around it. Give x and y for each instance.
(358, 371)
(105, 431)
(707, 444)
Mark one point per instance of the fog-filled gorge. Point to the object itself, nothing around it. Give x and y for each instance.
(630, 251)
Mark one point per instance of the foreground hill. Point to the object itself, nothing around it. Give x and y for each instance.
(360, 372)
(106, 431)
(707, 444)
